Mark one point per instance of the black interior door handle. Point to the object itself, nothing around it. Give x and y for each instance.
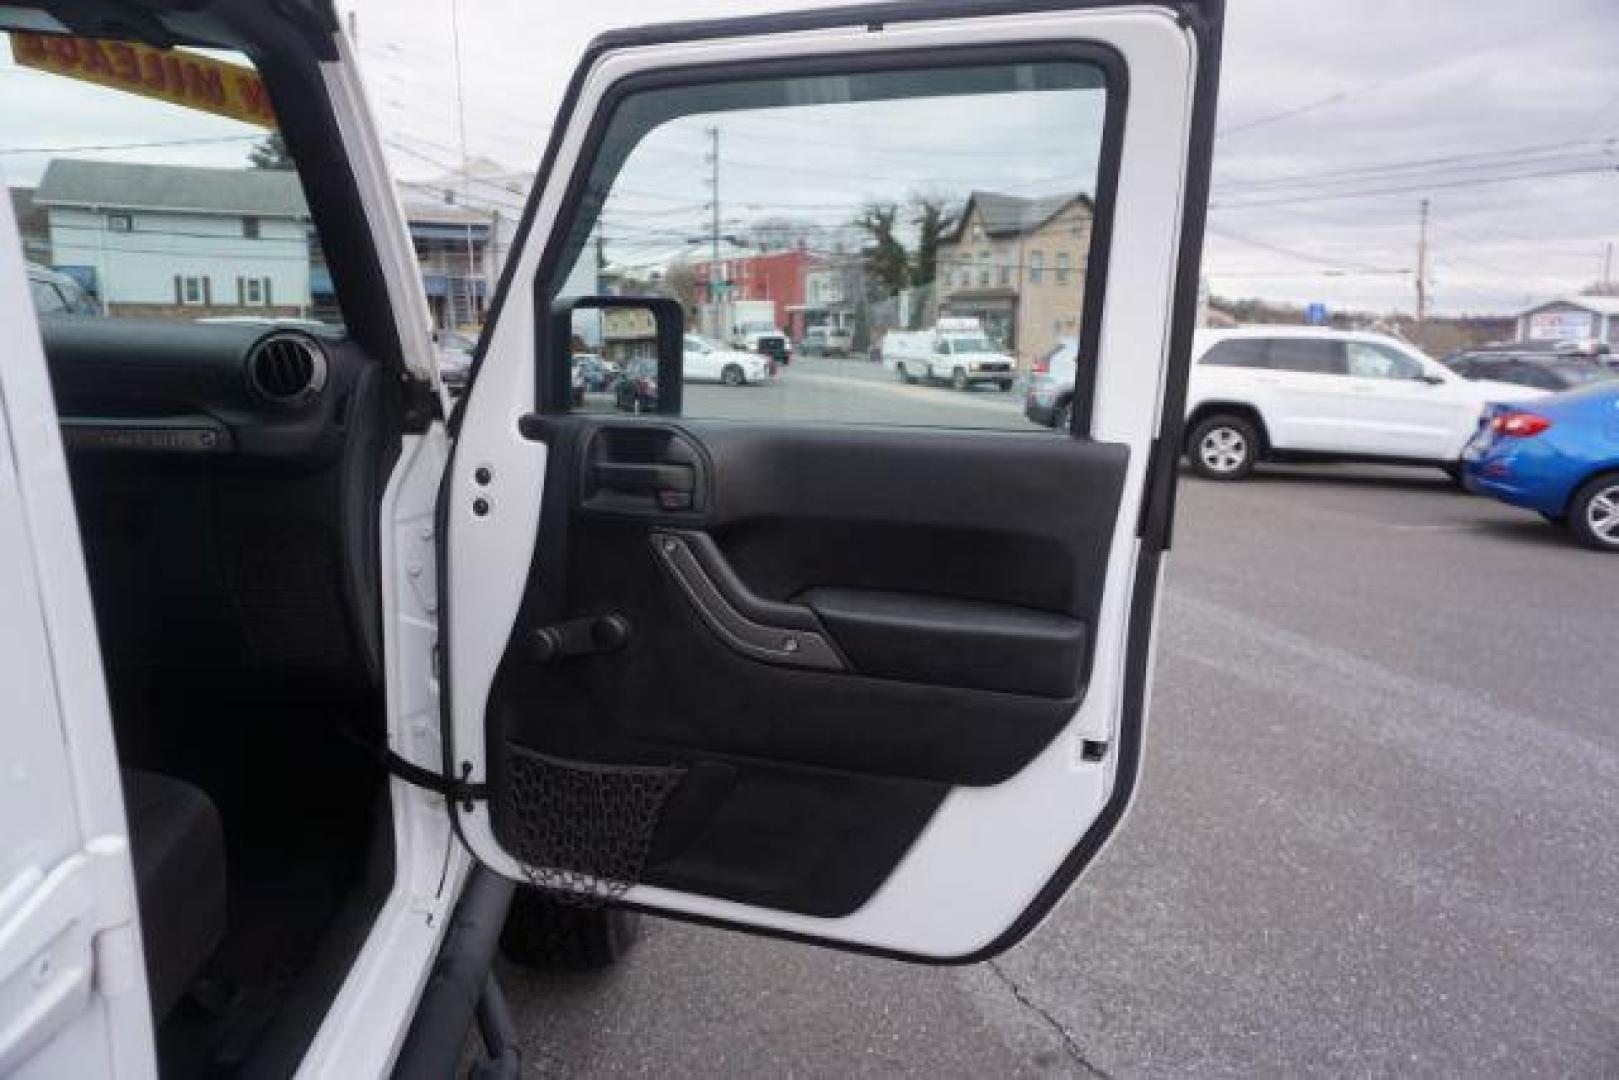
(644, 476)
(670, 485)
(643, 469)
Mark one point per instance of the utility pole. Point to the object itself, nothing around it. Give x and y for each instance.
(1607, 265)
(601, 256)
(466, 174)
(714, 208)
(1422, 264)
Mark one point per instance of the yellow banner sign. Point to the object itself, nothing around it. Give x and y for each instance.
(181, 78)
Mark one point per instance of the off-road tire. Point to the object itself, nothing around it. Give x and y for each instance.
(542, 933)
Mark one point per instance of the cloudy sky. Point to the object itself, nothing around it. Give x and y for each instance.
(1337, 118)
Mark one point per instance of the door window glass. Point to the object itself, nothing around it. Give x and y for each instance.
(1312, 356)
(1366, 360)
(1237, 352)
(133, 205)
(936, 200)
(1539, 378)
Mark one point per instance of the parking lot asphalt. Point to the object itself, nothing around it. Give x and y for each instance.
(1376, 834)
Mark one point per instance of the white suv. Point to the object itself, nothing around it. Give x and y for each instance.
(1305, 393)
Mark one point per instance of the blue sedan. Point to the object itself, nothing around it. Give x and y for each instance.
(1558, 455)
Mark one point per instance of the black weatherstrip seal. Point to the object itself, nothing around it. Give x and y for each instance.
(1204, 20)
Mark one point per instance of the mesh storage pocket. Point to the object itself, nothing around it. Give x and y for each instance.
(583, 830)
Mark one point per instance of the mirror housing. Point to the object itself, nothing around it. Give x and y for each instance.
(554, 380)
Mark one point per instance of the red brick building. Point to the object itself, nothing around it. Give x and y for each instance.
(777, 275)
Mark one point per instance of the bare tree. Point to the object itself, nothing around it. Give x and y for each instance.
(270, 152)
(681, 282)
(934, 216)
(887, 264)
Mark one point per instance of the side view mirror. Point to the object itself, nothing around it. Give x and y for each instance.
(1431, 379)
(634, 314)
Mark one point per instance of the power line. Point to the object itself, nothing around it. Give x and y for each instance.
(1304, 256)
(84, 148)
(1471, 162)
(1340, 96)
(1414, 188)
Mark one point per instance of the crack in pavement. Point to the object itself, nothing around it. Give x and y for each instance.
(1070, 1044)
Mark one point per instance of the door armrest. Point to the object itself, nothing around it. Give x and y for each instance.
(945, 641)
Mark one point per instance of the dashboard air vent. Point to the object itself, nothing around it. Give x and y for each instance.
(286, 370)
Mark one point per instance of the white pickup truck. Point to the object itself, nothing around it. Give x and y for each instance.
(954, 349)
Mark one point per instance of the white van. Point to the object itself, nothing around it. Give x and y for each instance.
(955, 350)
(321, 687)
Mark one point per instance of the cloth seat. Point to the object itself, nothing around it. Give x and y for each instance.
(178, 847)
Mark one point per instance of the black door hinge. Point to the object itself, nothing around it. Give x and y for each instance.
(1156, 523)
(461, 790)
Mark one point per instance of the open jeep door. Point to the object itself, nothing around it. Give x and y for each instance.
(828, 652)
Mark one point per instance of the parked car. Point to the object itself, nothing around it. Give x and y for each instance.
(1558, 455)
(56, 293)
(1541, 370)
(596, 374)
(826, 341)
(454, 358)
(637, 390)
(1308, 393)
(704, 361)
(954, 349)
(1050, 400)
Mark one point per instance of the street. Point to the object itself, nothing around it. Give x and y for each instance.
(1374, 834)
(848, 391)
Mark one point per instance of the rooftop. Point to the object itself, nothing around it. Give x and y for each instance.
(256, 192)
(1606, 305)
(1010, 215)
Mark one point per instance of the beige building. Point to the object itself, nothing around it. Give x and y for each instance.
(1018, 265)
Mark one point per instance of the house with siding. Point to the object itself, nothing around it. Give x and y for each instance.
(180, 241)
(1018, 265)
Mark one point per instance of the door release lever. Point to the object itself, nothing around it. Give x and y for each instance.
(579, 637)
(671, 484)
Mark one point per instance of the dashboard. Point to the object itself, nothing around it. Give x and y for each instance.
(227, 477)
(253, 390)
